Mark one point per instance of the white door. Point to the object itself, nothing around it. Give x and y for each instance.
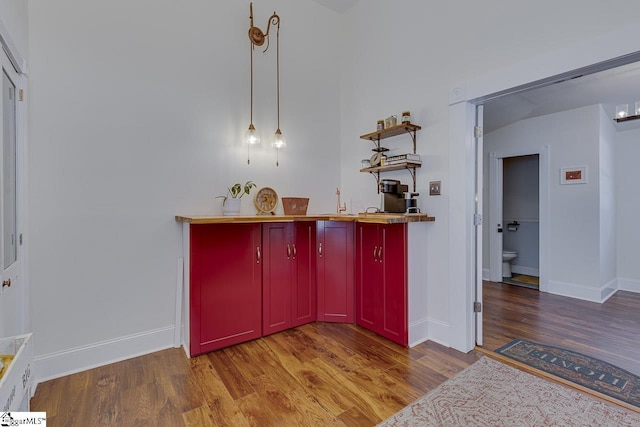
(12, 295)
(478, 222)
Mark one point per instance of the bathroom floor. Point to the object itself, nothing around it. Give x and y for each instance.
(523, 280)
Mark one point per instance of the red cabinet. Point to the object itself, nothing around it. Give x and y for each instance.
(225, 285)
(381, 280)
(289, 283)
(335, 271)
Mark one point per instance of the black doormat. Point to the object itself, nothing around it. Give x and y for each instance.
(577, 368)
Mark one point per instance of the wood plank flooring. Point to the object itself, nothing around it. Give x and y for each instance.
(327, 374)
(320, 374)
(608, 331)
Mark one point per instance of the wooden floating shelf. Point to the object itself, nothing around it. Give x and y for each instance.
(392, 131)
(394, 167)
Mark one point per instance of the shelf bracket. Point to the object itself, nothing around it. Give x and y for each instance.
(412, 171)
(376, 176)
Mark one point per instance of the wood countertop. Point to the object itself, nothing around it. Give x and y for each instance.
(376, 218)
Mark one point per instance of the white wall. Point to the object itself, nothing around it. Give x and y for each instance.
(14, 17)
(627, 177)
(138, 109)
(573, 137)
(607, 177)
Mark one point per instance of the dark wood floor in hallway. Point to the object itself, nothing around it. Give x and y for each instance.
(326, 374)
(609, 331)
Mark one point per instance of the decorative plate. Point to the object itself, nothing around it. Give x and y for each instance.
(266, 200)
(376, 159)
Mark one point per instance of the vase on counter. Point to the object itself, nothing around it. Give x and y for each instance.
(231, 207)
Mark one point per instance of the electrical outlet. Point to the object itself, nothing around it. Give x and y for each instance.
(434, 188)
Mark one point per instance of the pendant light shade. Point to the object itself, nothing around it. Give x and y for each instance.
(278, 140)
(252, 137)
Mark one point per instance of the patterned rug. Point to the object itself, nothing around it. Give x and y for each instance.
(490, 393)
(578, 368)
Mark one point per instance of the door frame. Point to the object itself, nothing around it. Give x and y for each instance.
(13, 61)
(496, 174)
(599, 53)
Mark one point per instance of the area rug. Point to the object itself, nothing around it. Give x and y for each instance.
(577, 368)
(490, 393)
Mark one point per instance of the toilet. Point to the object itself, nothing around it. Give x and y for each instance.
(507, 257)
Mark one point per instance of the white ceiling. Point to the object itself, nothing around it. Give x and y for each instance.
(339, 6)
(620, 85)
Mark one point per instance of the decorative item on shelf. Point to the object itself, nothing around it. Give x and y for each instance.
(257, 38)
(380, 125)
(266, 200)
(622, 111)
(365, 163)
(406, 117)
(390, 122)
(295, 205)
(231, 201)
(637, 108)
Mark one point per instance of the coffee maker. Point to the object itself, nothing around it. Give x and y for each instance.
(392, 196)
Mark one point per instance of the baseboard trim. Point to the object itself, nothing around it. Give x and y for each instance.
(630, 285)
(418, 332)
(529, 271)
(71, 361)
(573, 290)
(439, 332)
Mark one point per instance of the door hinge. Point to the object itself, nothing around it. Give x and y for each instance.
(20, 238)
(477, 219)
(477, 307)
(477, 131)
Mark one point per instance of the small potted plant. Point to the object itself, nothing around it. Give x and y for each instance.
(231, 201)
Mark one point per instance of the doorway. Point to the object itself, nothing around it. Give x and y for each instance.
(516, 192)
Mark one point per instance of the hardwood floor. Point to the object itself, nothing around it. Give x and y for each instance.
(608, 331)
(327, 374)
(319, 374)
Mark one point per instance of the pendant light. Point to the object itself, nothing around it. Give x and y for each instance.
(257, 38)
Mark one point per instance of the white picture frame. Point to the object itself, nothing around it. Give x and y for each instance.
(573, 175)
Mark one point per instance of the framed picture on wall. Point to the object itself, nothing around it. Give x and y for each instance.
(573, 175)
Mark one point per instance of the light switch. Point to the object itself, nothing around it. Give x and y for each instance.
(434, 188)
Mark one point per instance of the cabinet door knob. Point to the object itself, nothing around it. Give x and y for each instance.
(295, 251)
(320, 250)
(380, 254)
(6, 283)
(258, 255)
(288, 251)
(375, 249)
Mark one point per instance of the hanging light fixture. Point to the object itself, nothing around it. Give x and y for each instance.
(257, 38)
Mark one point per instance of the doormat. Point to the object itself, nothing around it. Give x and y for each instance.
(577, 368)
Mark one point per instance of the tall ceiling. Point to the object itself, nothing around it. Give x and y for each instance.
(620, 85)
(339, 6)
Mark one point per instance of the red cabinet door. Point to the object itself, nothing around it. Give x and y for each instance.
(381, 280)
(335, 271)
(304, 286)
(277, 277)
(225, 285)
(393, 261)
(368, 303)
(289, 279)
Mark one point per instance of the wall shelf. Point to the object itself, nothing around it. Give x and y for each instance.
(377, 136)
(628, 118)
